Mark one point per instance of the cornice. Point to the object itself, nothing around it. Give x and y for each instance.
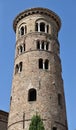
(37, 10)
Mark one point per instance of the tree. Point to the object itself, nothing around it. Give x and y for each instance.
(36, 123)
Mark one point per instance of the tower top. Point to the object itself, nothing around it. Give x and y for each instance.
(37, 10)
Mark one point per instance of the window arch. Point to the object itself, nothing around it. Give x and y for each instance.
(38, 44)
(22, 30)
(43, 45)
(47, 28)
(42, 27)
(47, 46)
(21, 49)
(40, 63)
(46, 64)
(32, 95)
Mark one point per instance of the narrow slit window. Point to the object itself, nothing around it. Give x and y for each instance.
(20, 66)
(21, 49)
(40, 63)
(46, 64)
(42, 27)
(43, 45)
(47, 28)
(38, 44)
(59, 99)
(22, 30)
(47, 46)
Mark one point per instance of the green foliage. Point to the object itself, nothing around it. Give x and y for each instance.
(36, 123)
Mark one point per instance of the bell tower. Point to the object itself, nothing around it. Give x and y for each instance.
(37, 85)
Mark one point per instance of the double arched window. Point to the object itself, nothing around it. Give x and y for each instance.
(43, 64)
(32, 94)
(22, 30)
(21, 49)
(18, 68)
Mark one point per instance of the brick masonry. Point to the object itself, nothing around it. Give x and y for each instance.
(47, 82)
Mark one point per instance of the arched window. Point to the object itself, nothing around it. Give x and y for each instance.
(16, 69)
(47, 46)
(32, 95)
(38, 44)
(40, 63)
(21, 49)
(20, 66)
(22, 30)
(25, 29)
(36, 27)
(42, 27)
(46, 64)
(59, 99)
(47, 28)
(43, 45)
(54, 128)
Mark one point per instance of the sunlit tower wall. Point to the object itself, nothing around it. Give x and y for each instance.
(37, 86)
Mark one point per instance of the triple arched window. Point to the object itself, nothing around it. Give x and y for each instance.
(18, 67)
(43, 64)
(42, 45)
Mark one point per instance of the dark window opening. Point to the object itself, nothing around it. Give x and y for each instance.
(46, 64)
(21, 49)
(54, 128)
(42, 27)
(40, 63)
(38, 45)
(32, 95)
(20, 66)
(43, 45)
(47, 46)
(36, 27)
(59, 99)
(47, 28)
(22, 30)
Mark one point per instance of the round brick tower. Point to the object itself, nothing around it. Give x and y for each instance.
(37, 86)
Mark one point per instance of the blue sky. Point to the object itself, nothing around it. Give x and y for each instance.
(66, 9)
